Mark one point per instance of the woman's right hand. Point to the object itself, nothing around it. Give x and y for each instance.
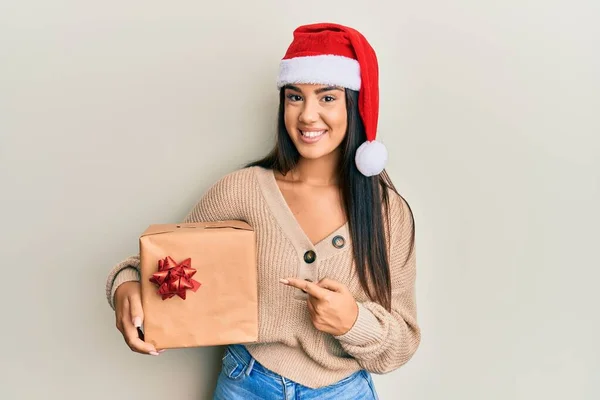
(130, 316)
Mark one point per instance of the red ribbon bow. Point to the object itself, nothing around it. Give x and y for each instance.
(174, 279)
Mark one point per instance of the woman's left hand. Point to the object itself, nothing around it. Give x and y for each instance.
(332, 307)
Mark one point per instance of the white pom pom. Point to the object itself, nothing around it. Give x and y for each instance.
(371, 158)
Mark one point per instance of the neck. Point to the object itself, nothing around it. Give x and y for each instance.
(318, 172)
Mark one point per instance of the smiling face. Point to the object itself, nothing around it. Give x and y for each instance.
(315, 118)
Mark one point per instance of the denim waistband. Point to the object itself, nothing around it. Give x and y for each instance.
(239, 351)
(250, 364)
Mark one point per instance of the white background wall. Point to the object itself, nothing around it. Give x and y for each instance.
(118, 114)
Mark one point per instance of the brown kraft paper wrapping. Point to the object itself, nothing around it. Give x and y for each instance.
(224, 309)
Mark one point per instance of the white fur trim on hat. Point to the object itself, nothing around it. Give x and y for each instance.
(371, 158)
(323, 69)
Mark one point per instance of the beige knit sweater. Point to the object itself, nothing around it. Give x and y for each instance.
(288, 342)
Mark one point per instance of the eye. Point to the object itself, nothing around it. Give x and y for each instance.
(293, 97)
(328, 98)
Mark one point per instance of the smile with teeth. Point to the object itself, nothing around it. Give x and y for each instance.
(312, 134)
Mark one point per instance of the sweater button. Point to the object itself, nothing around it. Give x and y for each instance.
(310, 257)
(338, 242)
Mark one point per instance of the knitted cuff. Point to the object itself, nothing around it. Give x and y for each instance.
(366, 329)
(125, 275)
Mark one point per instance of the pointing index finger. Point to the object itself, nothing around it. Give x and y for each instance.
(309, 287)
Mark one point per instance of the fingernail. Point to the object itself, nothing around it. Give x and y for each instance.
(161, 351)
(154, 353)
(137, 322)
(285, 281)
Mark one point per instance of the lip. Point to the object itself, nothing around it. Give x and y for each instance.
(311, 140)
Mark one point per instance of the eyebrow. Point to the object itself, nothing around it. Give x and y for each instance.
(318, 91)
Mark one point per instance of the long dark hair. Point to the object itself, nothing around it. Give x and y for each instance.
(362, 197)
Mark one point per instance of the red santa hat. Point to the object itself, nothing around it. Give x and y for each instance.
(332, 54)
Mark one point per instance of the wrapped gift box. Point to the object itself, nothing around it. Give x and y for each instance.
(199, 284)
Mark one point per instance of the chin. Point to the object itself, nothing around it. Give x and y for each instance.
(314, 154)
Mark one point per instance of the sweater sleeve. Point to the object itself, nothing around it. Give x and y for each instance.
(382, 341)
(220, 202)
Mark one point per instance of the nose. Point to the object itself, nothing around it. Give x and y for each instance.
(309, 113)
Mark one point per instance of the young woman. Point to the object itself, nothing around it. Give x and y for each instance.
(336, 252)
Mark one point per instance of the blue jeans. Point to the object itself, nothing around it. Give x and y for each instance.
(243, 378)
